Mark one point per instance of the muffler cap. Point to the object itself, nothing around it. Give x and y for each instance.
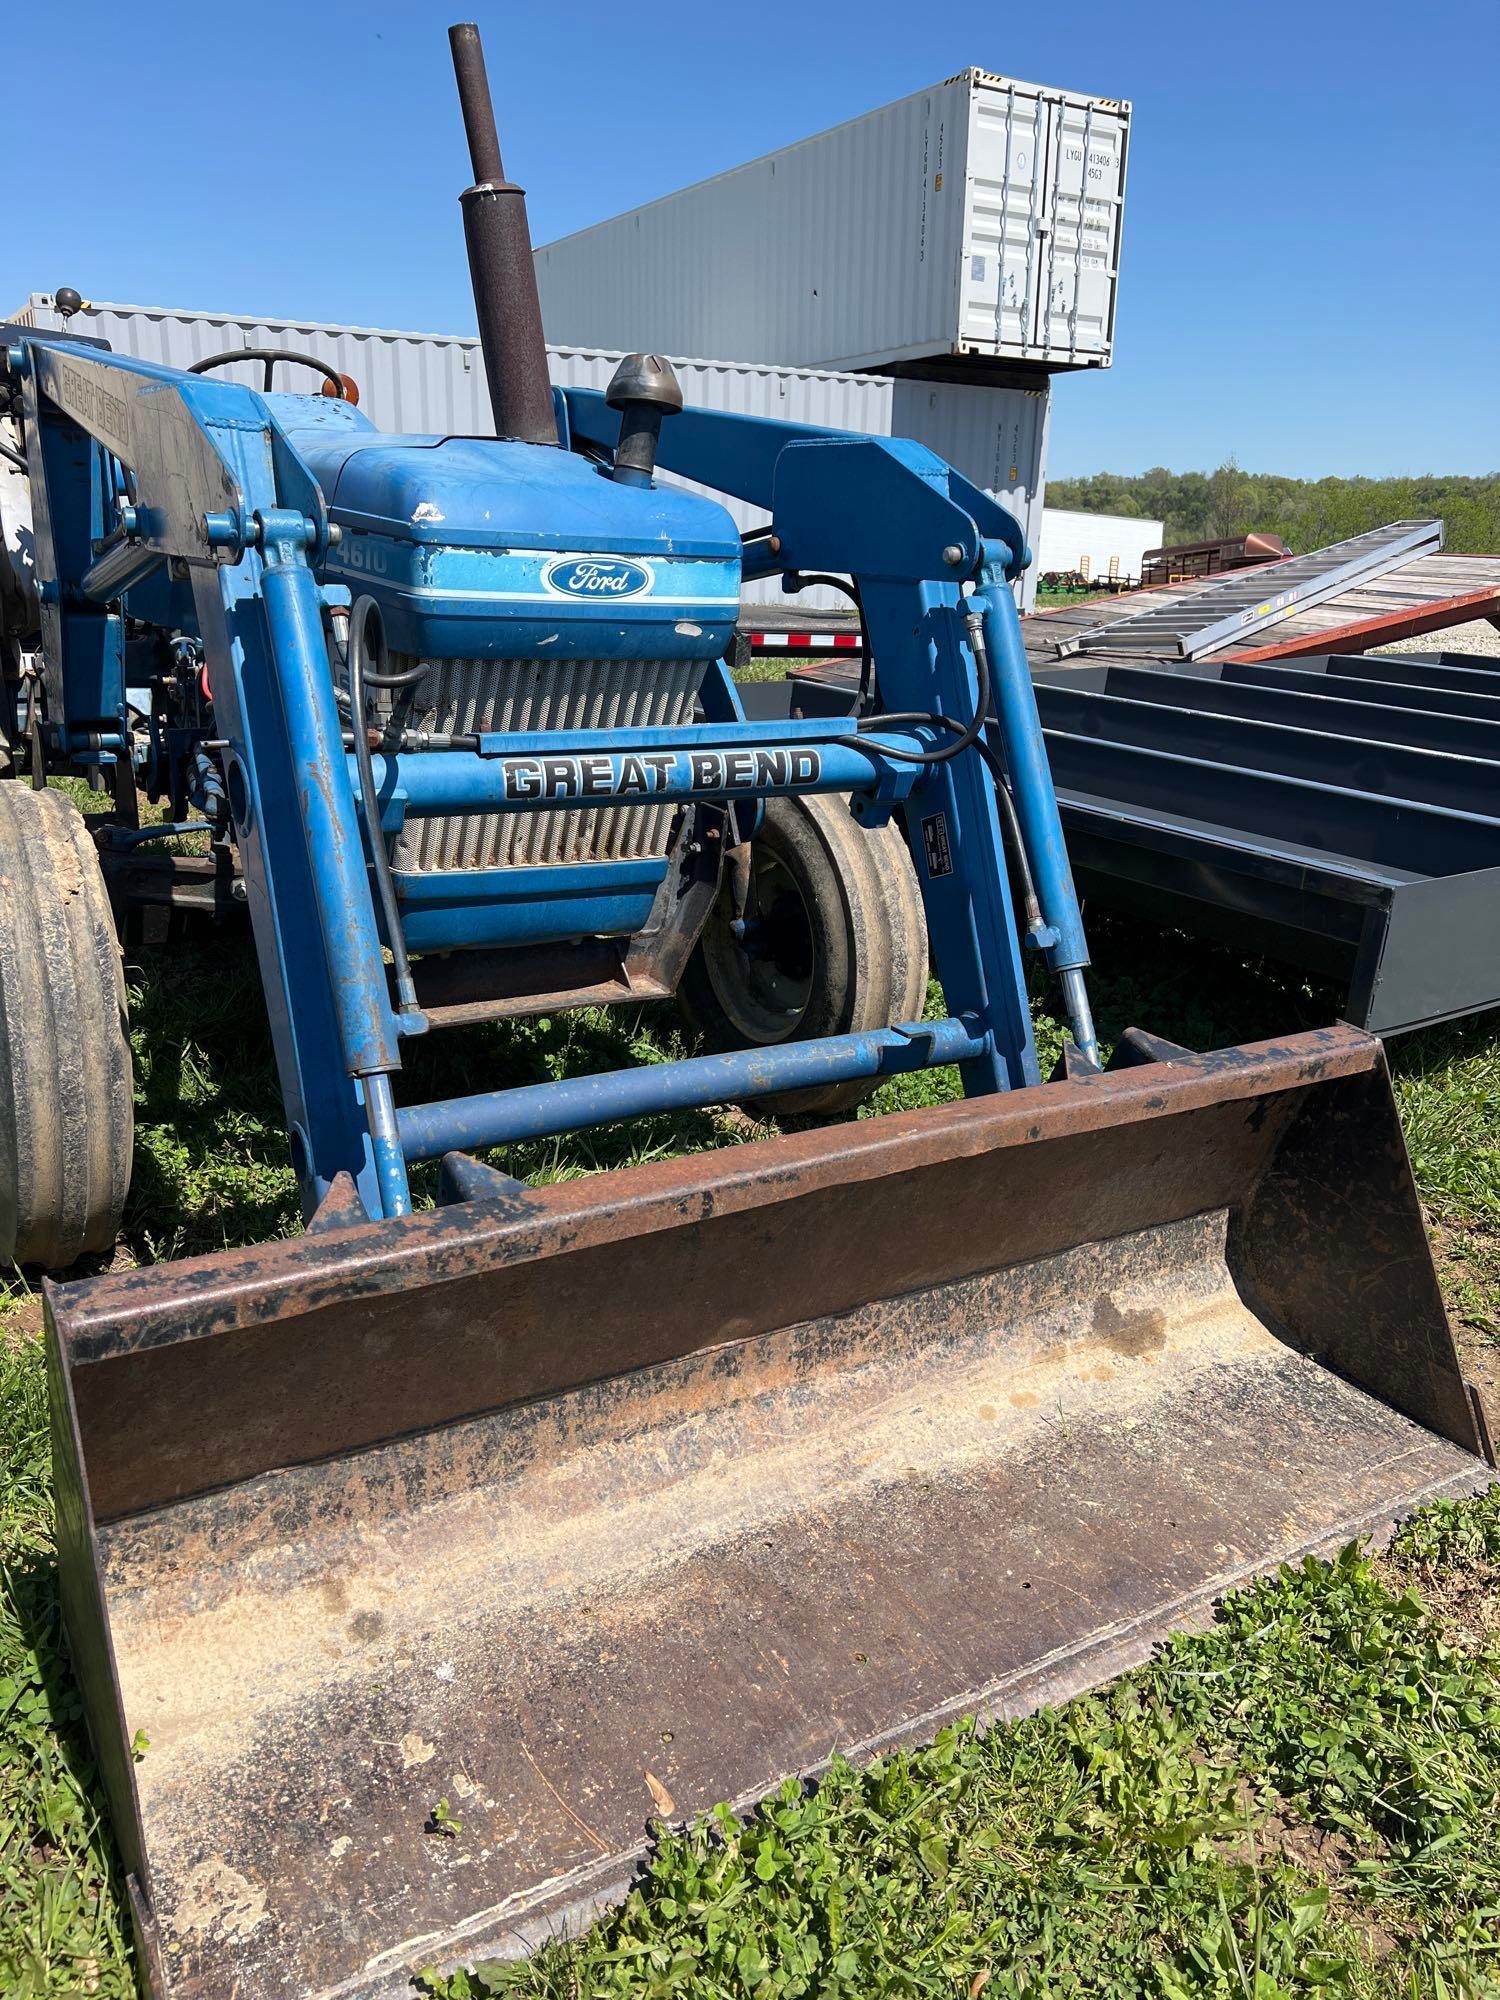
(644, 378)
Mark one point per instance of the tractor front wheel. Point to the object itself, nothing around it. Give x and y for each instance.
(66, 1118)
(833, 942)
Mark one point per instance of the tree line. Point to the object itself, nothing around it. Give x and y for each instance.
(1306, 513)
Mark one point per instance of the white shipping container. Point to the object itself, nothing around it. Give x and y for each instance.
(434, 383)
(1090, 542)
(976, 221)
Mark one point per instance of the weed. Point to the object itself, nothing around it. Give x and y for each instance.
(1451, 1534)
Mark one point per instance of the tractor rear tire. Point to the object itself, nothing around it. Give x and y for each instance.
(841, 945)
(66, 1116)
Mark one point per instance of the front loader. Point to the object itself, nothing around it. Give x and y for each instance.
(554, 1501)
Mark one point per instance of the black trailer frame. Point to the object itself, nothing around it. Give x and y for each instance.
(1340, 813)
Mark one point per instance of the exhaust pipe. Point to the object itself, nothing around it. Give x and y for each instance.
(500, 265)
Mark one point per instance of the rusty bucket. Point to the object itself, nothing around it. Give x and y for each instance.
(628, 1495)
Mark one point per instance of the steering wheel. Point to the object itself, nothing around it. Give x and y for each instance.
(270, 356)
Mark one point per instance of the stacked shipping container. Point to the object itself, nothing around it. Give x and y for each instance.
(971, 224)
(964, 240)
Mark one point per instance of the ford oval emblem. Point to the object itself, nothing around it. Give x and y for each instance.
(605, 579)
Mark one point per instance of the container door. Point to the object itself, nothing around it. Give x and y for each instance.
(1085, 189)
(1002, 256)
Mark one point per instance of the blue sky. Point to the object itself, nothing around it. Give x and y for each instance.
(1311, 275)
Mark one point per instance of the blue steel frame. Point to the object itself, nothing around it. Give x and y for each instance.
(216, 485)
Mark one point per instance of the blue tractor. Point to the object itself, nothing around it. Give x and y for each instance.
(576, 1504)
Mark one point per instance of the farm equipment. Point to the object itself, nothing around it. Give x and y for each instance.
(572, 1506)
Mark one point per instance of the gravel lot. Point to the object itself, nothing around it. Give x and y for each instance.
(1479, 636)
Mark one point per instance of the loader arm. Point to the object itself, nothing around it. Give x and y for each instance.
(739, 454)
(210, 472)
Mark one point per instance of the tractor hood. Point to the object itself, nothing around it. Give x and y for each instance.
(484, 548)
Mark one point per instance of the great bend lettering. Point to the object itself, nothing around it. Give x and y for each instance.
(83, 394)
(711, 771)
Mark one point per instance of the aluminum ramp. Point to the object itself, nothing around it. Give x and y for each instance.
(1234, 606)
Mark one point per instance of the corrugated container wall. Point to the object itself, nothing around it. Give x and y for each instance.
(1069, 539)
(434, 383)
(421, 383)
(996, 437)
(974, 222)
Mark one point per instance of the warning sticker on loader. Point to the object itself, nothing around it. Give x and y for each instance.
(935, 845)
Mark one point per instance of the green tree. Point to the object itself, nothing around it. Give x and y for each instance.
(1306, 513)
(1228, 502)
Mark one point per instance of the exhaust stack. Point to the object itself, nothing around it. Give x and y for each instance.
(500, 266)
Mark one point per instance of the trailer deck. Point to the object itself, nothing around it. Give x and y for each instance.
(1428, 594)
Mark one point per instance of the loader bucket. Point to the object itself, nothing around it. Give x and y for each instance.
(624, 1496)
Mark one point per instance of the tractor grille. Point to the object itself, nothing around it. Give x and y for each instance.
(503, 695)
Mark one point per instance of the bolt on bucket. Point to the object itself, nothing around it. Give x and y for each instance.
(628, 1495)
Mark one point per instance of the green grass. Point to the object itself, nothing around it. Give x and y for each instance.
(1448, 1087)
(63, 1928)
(1301, 1802)
(772, 667)
(1050, 600)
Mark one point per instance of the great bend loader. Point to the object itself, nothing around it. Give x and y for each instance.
(702, 1469)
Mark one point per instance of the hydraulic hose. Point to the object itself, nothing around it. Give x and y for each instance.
(417, 741)
(968, 733)
(1015, 839)
(408, 678)
(799, 580)
(363, 619)
(971, 735)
